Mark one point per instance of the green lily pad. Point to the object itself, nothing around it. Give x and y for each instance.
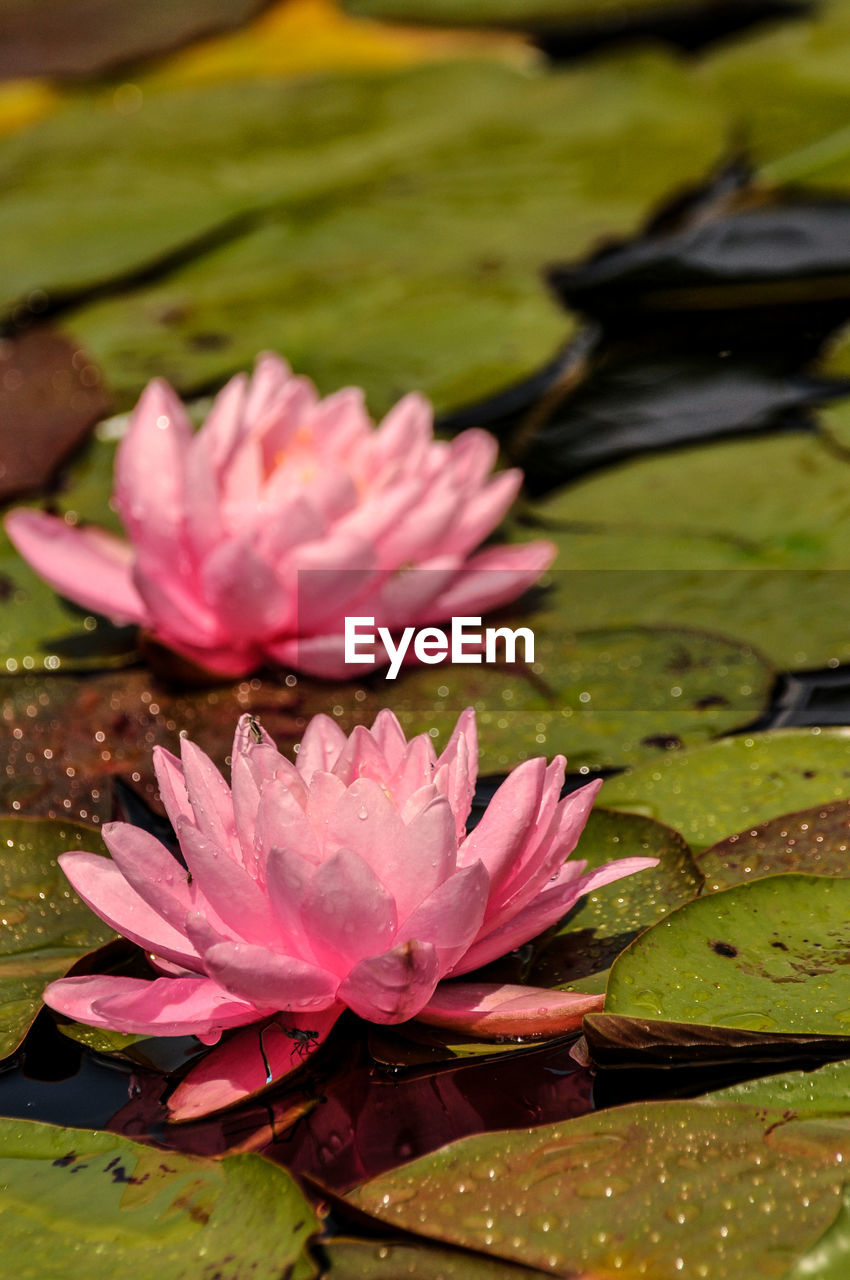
(824, 1091)
(771, 955)
(580, 952)
(636, 1190)
(39, 631)
(83, 1204)
(815, 840)
(694, 537)
(786, 94)
(601, 698)
(280, 214)
(46, 928)
(713, 791)
(368, 1260)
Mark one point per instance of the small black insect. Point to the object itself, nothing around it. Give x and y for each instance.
(255, 729)
(303, 1039)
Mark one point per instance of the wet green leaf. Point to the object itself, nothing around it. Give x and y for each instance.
(815, 840)
(826, 1090)
(637, 1190)
(39, 631)
(46, 928)
(771, 955)
(281, 214)
(369, 1260)
(601, 698)
(713, 791)
(606, 921)
(785, 90)
(695, 537)
(80, 1203)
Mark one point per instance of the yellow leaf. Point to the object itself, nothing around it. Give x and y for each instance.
(299, 37)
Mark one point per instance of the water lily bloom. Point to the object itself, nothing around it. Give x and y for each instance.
(346, 879)
(252, 538)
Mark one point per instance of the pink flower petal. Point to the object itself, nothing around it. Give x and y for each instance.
(100, 884)
(162, 1007)
(451, 916)
(88, 566)
(499, 838)
(512, 930)
(269, 980)
(321, 747)
(492, 1011)
(346, 912)
(228, 888)
(457, 769)
(250, 1061)
(395, 986)
(151, 870)
(209, 797)
(494, 577)
(241, 587)
(154, 449)
(172, 785)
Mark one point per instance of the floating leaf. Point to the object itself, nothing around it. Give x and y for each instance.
(825, 1091)
(704, 509)
(601, 698)
(83, 1204)
(278, 212)
(46, 928)
(784, 90)
(770, 955)
(712, 792)
(82, 733)
(302, 37)
(578, 955)
(50, 395)
(619, 1043)
(815, 840)
(368, 1260)
(637, 1190)
(39, 631)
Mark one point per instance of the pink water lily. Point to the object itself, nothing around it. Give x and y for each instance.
(252, 538)
(346, 879)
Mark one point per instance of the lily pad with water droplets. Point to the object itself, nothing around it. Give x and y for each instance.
(39, 631)
(45, 927)
(694, 537)
(368, 1260)
(815, 840)
(577, 956)
(84, 1205)
(637, 1190)
(713, 791)
(772, 955)
(603, 698)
